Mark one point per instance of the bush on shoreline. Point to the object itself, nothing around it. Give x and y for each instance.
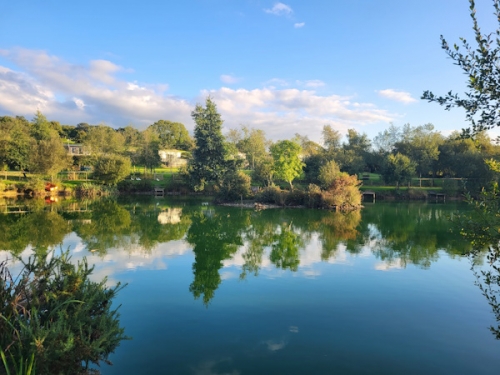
(89, 190)
(342, 195)
(55, 318)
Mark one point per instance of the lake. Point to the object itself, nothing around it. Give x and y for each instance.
(220, 290)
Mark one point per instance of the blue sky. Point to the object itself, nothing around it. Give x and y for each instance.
(285, 67)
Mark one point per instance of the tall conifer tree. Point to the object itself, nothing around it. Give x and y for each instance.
(209, 156)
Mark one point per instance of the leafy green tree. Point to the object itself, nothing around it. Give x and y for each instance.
(331, 138)
(480, 64)
(287, 162)
(41, 128)
(385, 142)
(15, 142)
(481, 104)
(172, 135)
(308, 147)
(103, 139)
(69, 132)
(48, 156)
(421, 145)
(131, 136)
(253, 144)
(354, 153)
(208, 163)
(233, 136)
(56, 125)
(111, 169)
(148, 154)
(234, 185)
(82, 129)
(464, 158)
(328, 173)
(398, 169)
(264, 170)
(312, 166)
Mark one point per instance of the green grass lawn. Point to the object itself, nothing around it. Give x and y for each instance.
(381, 188)
(164, 177)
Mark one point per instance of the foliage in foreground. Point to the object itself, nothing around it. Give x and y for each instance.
(481, 104)
(480, 65)
(482, 228)
(51, 312)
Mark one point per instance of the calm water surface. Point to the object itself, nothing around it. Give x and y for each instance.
(218, 290)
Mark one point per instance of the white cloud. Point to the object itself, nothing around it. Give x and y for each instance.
(312, 83)
(282, 113)
(399, 96)
(279, 9)
(79, 103)
(273, 82)
(94, 93)
(20, 94)
(229, 78)
(74, 93)
(387, 265)
(298, 25)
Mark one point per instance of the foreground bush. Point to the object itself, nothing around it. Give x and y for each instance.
(53, 317)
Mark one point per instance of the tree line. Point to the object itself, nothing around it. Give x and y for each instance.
(397, 153)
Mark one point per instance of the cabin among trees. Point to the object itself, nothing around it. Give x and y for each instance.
(76, 149)
(172, 158)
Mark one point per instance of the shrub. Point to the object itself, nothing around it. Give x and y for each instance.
(314, 197)
(35, 185)
(415, 194)
(295, 198)
(89, 190)
(55, 315)
(344, 192)
(125, 186)
(234, 186)
(144, 186)
(270, 195)
(128, 186)
(451, 187)
(328, 173)
(112, 169)
(178, 187)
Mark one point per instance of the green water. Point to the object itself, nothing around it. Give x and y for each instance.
(219, 290)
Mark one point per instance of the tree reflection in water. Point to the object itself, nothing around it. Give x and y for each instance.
(215, 236)
(400, 234)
